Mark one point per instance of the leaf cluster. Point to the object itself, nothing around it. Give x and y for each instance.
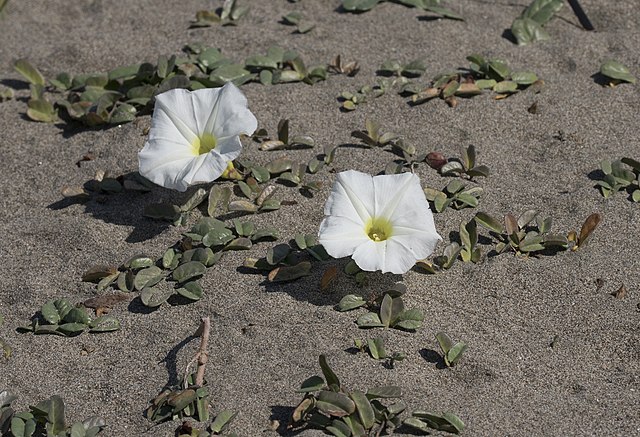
(328, 406)
(284, 139)
(218, 426)
(451, 352)
(529, 26)
(427, 5)
(182, 264)
(60, 317)
(386, 311)
(349, 100)
(619, 175)
(289, 262)
(522, 236)
(119, 95)
(465, 165)
(102, 184)
(372, 136)
(393, 67)
(228, 15)
(483, 74)
(338, 66)
(45, 418)
(178, 403)
(455, 195)
(376, 350)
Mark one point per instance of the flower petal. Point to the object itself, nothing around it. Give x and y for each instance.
(351, 196)
(175, 108)
(341, 236)
(399, 257)
(203, 168)
(229, 147)
(230, 115)
(163, 172)
(371, 256)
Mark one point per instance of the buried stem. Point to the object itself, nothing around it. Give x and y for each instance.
(202, 356)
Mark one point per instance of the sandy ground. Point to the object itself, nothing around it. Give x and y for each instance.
(266, 339)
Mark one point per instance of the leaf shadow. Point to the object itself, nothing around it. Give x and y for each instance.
(171, 362)
(283, 414)
(433, 357)
(600, 79)
(509, 36)
(124, 209)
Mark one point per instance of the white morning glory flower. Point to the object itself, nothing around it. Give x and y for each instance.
(384, 222)
(194, 135)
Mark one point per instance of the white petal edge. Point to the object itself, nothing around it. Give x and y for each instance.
(341, 236)
(230, 115)
(351, 196)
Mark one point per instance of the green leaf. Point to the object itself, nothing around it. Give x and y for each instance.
(359, 5)
(445, 342)
(541, 11)
(187, 271)
(526, 31)
(191, 290)
(218, 197)
(104, 324)
(384, 392)
(53, 409)
(505, 87)
(29, 72)
(50, 313)
(41, 110)
(222, 420)
(278, 253)
(147, 277)
(312, 384)
(409, 320)
(524, 77)
(76, 315)
(616, 70)
(153, 297)
(489, 222)
(369, 320)
(364, 408)
(386, 310)
(455, 353)
(335, 404)
(351, 302)
(332, 379)
(376, 348)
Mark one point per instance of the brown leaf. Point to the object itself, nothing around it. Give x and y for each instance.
(533, 109)
(620, 293)
(328, 277)
(95, 273)
(89, 156)
(589, 225)
(102, 304)
(511, 224)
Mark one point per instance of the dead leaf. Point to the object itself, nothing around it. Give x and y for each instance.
(103, 304)
(620, 293)
(89, 156)
(328, 277)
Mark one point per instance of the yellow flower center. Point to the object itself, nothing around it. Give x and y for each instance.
(204, 144)
(378, 229)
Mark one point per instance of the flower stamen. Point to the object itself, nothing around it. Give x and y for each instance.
(204, 144)
(378, 229)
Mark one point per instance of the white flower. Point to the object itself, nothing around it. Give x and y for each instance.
(384, 222)
(194, 135)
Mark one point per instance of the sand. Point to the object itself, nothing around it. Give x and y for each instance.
(266, 339)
